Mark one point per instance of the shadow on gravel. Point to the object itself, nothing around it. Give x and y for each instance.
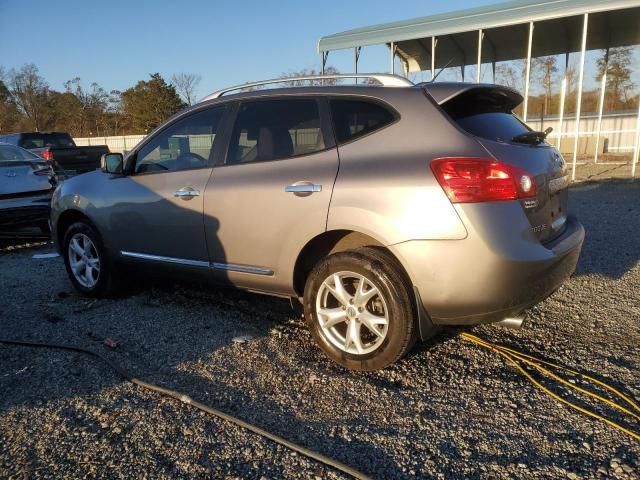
(610, 213)
(38, 376)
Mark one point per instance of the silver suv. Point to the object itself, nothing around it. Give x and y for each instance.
(388, 210)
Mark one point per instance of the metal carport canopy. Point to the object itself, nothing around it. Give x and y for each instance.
(612, 23)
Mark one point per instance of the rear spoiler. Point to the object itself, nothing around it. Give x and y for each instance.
(443, 92)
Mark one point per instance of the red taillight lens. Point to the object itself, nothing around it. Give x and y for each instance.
(47, 155)
(472, 180)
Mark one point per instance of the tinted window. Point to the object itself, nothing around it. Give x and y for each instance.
(41, 140)
(355, 118)
(275, 129)
(9, 152)
(486, 114)
(186, 144)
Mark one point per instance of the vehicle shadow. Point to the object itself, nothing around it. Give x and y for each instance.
(610, 213)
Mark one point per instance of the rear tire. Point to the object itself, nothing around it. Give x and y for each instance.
(360, 309)
(87, 262)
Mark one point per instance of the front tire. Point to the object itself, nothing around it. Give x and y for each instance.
(360, 309)
(87, 262)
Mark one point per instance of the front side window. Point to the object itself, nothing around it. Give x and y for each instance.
(186, 144)
(356, 118)
(275, 129)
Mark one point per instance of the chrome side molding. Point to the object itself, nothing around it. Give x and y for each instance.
(234, 267)
(231, 267)
(160, 258)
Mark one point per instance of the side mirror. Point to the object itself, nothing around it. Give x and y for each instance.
(112, 163)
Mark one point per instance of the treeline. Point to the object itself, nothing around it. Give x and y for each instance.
(28, 103)
(547, 74)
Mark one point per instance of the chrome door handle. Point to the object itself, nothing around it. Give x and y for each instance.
(303, 188)
(187, 193)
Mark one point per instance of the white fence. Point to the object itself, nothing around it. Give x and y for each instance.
(618, 134)
(121, 143)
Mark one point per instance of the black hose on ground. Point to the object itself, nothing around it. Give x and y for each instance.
(200, 406)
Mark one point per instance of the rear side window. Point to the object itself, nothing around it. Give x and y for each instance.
(355, 118)
(276, 129)
(485, 113)
(41, 140)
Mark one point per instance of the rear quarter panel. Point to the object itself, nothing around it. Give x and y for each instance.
(385, 187)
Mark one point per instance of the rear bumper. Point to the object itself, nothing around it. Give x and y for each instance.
(24, 212)
(492, 274)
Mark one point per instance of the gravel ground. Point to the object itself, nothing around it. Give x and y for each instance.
(610, 168)
(450, 410)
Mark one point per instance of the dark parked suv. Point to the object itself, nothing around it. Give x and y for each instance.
(387, 210)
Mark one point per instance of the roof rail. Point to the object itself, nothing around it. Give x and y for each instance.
(385, 79)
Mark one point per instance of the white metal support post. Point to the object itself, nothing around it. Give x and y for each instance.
(480, 36)
(563, 94)
(603, 87)
(527, 73)
(434, 43)
(583, 50)
(392, 49)
(636, 149)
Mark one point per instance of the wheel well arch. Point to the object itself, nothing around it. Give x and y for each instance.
(328, 243)
(65, 220)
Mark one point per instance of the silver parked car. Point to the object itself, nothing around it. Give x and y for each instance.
(26, 184)
(388, 210)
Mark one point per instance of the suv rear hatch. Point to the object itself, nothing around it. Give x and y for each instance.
(486, 112)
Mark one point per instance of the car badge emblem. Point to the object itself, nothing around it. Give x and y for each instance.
(11, 173)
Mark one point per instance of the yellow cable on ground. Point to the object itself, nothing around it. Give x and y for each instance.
(512, 357)
(536, 364)
(594, 380)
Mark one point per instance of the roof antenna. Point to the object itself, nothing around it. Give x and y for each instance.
(440, 71)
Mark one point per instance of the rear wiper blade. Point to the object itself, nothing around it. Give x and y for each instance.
(532, 137)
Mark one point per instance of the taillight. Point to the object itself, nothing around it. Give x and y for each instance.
(473, 180)
(47, 155)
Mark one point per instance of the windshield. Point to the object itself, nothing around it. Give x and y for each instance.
(42, 140)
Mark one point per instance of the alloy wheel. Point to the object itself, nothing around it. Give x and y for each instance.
(84, 260)
(352, 313)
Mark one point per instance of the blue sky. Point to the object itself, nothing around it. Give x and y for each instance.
(117, 43)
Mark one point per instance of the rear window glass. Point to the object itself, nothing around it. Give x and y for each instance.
(355, 118)
(485, 114)
(41, 140)
(9, 152)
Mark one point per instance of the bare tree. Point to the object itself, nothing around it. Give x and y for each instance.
(546, 68)
(186, 85)
(511, 74)
(309, 72)
(29, 91)
(618, 65)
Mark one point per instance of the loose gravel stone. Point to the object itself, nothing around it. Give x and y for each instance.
(449, 410)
